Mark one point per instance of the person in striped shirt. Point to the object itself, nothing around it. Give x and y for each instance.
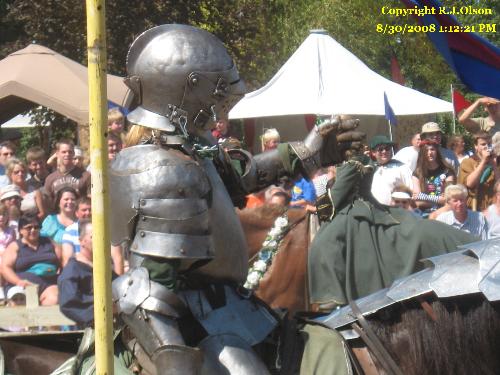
(460, 216)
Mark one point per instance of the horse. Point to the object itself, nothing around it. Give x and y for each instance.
(285, 282)
(444, 319)
(459, 335)
(27, 354)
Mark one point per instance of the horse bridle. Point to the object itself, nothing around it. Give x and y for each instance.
(373, 343)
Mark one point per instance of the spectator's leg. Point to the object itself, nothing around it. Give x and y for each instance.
(49, 296)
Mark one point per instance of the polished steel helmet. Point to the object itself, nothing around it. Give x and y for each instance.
(183, 78)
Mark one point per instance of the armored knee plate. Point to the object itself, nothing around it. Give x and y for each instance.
(135, 289)
(177, 360)
(229, 354)
(149, 309)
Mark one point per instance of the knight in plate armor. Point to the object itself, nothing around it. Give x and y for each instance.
(173, 200)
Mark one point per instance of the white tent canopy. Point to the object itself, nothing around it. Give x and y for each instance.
(20, 121)
(322, 78)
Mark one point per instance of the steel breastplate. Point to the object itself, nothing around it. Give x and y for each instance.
(169, 205)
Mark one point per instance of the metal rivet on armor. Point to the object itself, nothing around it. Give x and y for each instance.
(144, 218)
(182, 251)
(143, 234)
(130, 281)
(142, 202)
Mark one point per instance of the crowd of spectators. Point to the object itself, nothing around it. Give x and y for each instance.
(43, 201)
(451, 184)
(45, 205)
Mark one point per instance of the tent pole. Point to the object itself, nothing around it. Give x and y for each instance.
(390, 130)
(96, 49)
(453, 104)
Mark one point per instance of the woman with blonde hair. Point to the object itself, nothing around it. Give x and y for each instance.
(270, 139)
(138, 134)
(32, 198)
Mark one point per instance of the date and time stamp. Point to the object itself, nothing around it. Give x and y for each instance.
(486, 27)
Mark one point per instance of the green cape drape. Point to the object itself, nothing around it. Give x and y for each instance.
(367, 246)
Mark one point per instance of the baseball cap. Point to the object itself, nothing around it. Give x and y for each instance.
(400, 195)
(78, 152)
(380, 140)
(430, 127)
(15, 291)
(9, 191)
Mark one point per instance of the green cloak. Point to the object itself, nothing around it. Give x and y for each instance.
(367, 246)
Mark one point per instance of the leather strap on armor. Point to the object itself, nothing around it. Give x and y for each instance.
(309, 159)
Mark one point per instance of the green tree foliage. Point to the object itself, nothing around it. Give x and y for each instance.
(260, 34)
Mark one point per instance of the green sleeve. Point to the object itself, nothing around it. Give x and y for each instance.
(163, 271)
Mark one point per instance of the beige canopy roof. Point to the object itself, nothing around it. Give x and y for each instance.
(38, 75)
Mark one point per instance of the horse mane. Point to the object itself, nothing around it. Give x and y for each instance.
(464, 338)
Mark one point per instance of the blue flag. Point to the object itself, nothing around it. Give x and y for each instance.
(475, 61)
(123, 110)
(389, 113)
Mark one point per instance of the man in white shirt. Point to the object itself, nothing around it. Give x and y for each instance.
(389, 172)
(409, 155)
(460, 216)
(7, 152)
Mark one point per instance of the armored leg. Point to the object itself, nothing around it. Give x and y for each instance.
(151, 311)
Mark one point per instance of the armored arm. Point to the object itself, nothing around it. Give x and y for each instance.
(324, 145)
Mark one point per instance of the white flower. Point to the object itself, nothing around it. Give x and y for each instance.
(250, 286)
(272, 243)
(253, 277)
(281, 222)
(274, 231)
(260, 266)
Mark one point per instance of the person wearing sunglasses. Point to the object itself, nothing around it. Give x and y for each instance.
(32, 260)
(389, 172)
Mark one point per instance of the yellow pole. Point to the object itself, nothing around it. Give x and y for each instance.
(96, 49)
